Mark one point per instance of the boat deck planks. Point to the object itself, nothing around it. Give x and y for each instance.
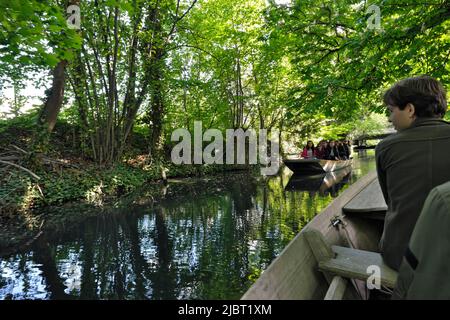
(369, 202)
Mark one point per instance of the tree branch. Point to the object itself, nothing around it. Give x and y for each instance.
(22, 168)
(172, 30)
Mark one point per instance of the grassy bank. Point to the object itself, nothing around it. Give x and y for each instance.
(91, 184)
(28, 207)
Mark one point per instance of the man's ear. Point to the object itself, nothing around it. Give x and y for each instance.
(411, 110)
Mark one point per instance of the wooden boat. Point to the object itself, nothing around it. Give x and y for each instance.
(330, 257)
(313, 166)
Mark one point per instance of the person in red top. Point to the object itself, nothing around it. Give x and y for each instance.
(321, 149)
(309, 151)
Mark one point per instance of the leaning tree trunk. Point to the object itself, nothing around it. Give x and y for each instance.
(53, 104)
(49, 113)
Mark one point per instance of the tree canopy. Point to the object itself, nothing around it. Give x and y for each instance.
(307, 68)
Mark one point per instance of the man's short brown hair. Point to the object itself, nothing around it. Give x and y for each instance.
(426, 94)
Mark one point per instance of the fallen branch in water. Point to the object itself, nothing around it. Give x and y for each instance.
(37, 236)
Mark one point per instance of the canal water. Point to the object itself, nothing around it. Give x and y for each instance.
(205, 239)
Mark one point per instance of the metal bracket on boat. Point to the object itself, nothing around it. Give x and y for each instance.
(336, 221)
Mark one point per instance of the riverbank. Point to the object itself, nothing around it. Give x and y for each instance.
(70, 196)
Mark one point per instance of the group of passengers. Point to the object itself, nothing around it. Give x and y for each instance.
(327, 150)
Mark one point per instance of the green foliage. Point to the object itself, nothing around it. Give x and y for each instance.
(33, 36)
(344, 66)
(370, 125)
(26, 122)
(297, 65)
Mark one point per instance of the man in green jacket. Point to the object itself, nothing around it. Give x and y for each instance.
(425, 270)
(413, 161)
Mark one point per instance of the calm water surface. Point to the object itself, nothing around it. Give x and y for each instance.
(207, 239)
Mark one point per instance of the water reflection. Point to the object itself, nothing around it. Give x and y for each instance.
(206, 239)
(324, 183)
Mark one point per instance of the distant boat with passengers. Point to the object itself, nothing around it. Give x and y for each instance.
(326, 158)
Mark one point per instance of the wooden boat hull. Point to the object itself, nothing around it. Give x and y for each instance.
(315, 166)
(294, 273)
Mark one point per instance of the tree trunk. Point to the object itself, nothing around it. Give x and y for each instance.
(53, 104)
(50, 111)
(157, 105)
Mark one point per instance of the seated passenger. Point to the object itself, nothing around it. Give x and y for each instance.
(413, 161)
(321, 149)
(347, 148)
(425, 269)
(342, 151)
(309, 152)
(332, 152)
